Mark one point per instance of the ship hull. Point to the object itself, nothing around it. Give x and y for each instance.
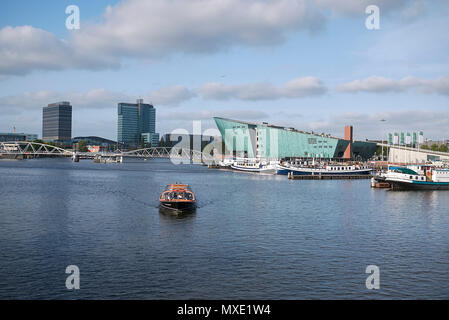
(417, 185)
(178, 205)
(299, 171)
(256, 170)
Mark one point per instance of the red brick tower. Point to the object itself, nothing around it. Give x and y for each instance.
(348, 136)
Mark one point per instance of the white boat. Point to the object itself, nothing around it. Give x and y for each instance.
(427, 177)
(255, 165)
(226, 162)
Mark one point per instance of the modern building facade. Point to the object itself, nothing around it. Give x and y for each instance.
(57, 122)
(136, 123)
(254, 140)
(7, 136)
(150, 139)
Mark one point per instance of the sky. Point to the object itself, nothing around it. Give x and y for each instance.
(309, 64)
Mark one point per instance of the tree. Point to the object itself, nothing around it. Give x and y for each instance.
(434, 147)
(379, 151)
(82, 146)
(443, 148)
(425, 147)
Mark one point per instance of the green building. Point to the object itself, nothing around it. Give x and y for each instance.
(136, 124)
(252, 140)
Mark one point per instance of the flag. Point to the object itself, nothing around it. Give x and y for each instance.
(396, 138)
(408, 139)
(421, 137)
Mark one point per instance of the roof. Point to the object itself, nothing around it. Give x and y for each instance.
(406, 171)
(279, 127)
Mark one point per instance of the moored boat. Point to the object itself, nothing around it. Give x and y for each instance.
(178, 197)
(305, 168)
(226, 162)
(404, 178)
(254, 165)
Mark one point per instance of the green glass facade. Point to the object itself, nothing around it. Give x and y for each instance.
(271, 142)
(135, 119)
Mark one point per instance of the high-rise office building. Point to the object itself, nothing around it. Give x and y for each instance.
(57, 122)
(136, 123)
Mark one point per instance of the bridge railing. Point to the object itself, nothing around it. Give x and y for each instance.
(40, 149)
(31, 148)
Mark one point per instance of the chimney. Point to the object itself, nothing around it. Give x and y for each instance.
(348, 136)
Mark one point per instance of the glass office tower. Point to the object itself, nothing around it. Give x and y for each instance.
(57, 122)
(134, 120)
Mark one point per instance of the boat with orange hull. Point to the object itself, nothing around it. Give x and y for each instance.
(178, 197)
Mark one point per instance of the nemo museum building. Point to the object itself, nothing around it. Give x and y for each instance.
(261, 140)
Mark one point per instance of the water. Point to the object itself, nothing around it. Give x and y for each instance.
(252, 237)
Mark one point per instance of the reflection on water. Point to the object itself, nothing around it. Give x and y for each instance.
(168, 214)
(251, 237)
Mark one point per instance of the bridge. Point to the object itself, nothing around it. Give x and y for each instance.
(25, 149)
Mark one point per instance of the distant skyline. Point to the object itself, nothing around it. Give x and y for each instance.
(308, 64)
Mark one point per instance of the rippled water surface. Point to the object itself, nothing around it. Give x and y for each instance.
(252, 237)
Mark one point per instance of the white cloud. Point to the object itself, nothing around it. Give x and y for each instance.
(209, 114)
(166, 96)
(435, 124)
(419, 47)
(296, 88)
(357, 7)
(23, 49)
(92, 99)
(377, 84)
(173, 95)
(147, 30)
(151, 29)
(157, 27)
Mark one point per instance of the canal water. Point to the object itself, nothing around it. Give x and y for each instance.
(252, 237)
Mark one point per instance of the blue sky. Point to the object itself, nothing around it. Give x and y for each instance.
(308, 64)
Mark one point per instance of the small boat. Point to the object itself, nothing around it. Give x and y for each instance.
(254, 165)
(405, 178)
(226, 162)
(178, 197)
